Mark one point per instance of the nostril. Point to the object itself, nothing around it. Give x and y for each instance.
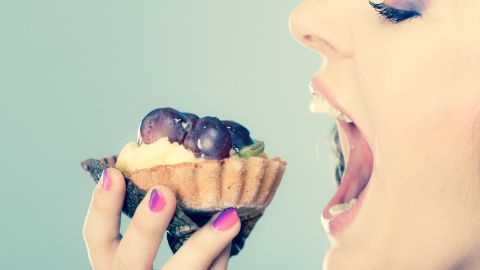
(308, 38)
(317, 25)
(319, 44)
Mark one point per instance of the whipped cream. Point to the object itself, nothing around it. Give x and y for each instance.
(162, 152)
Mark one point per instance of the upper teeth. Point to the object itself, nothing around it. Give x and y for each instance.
(337, 209)
(320, 104)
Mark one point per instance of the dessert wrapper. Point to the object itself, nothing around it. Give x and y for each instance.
(203, 189)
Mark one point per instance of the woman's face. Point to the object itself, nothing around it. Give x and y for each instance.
(413, 89)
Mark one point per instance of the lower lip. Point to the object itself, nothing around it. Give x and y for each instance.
(340, 222)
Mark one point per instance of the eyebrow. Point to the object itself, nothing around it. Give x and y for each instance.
(413, 5)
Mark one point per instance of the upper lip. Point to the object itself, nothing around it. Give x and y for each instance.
(318, 87)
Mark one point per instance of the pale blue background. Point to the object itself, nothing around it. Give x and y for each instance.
(76, 77)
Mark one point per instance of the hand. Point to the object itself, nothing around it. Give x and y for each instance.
(208, 248)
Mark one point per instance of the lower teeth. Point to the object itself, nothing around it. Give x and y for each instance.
(337, 209)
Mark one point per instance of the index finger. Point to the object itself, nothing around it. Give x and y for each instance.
(102, 223)
(143, 236)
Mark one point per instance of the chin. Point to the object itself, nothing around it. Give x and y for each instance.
(339, 259)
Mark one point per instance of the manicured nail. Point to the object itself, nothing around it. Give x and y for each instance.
(157, 201)
(106, 182)
(226, 219)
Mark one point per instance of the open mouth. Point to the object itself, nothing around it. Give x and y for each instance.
(343, 207)
(356, 175)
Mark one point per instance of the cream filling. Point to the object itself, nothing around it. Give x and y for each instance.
(320, 104)
(162, 152)
(339, 208)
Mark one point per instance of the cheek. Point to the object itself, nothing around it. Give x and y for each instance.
(416, 101)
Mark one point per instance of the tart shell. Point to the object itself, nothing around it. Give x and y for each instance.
(202, 189)
(246, 184)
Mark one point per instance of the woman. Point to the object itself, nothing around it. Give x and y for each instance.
(407, 74)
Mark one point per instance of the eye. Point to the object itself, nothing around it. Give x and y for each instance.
(393, 15)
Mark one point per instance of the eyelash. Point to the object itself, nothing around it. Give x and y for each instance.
(393, 15)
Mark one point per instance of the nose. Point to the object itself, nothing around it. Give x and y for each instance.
(322, 25)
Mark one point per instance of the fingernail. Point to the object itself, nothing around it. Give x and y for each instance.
(226, 219)
(157, 201)
(106, 182)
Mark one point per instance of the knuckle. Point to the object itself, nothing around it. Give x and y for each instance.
(86, 229)
(91, 237)
(87, 235)
(144, 226)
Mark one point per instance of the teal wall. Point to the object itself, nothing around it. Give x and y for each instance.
(76, 77)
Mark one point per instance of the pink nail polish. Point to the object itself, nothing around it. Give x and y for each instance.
(106, 182)
(157, 201)
(226, 219)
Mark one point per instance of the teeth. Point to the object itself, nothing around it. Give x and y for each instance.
(337, 209)
(320, 104)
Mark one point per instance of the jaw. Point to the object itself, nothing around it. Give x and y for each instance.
(427, 199)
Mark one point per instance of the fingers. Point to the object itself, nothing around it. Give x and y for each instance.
(208, 248)
(221, 262)
(205, 245)
(102, 224)
(143, 236)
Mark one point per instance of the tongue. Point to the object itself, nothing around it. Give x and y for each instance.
(357, 171)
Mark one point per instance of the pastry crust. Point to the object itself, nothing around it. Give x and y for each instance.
(247, 184)
(202, 189)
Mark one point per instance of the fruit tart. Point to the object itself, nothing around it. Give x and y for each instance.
(209, 164)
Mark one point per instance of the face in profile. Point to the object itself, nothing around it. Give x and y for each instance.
(407, 73)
